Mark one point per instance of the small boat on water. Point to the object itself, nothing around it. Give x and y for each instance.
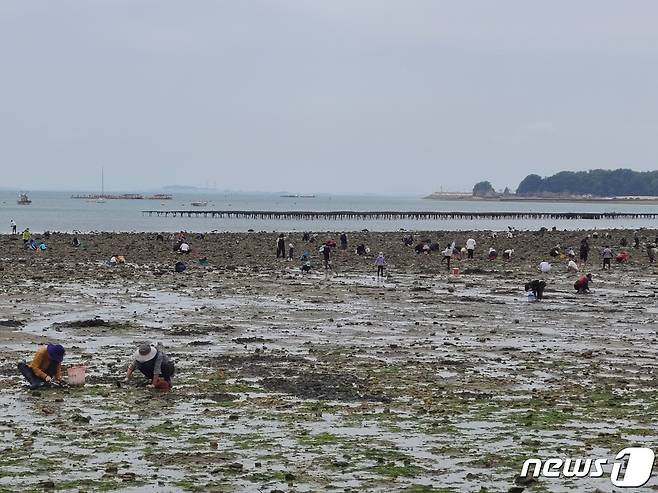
(199, 203)
(23, 199)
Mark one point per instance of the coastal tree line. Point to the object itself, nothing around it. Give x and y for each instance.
(596, 182)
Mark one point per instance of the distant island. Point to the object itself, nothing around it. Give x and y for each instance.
(596, 185)
(188, 189)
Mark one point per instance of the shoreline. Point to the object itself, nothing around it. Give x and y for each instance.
(501, 226)
(558, 200)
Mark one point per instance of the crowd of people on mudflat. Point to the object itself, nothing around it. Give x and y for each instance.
(449, 252)
(45, 367)
(574, 263)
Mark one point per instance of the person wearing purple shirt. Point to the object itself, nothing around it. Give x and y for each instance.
(380, 261)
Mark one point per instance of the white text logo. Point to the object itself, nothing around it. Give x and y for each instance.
(632, 467)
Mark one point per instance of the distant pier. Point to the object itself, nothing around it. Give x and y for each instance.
(396, 215)
(123, 196)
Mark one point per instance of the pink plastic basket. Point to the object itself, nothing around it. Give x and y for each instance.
(76, 374)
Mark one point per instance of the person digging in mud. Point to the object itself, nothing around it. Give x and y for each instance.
(306, 267)
(571, 254)
(154, 365)
(76, 242)
(177, 240)
(537, 287)
(555, 251)
(493, 254)
(584, 250)
(27, 235)
(184, 248)
(380, 261)
(545, 267)
(118, 260)
(572, 266)
(582, 284)
(622, 257)
(46, 366)
(623, 242)
(507, 254)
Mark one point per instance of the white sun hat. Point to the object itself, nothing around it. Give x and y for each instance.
(145, 353)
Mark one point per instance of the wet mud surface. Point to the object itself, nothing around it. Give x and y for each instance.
(425, 382)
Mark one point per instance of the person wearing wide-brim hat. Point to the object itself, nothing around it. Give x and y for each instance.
(45, 368)
(154, 364)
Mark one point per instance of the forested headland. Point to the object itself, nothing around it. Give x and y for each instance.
(596, 182)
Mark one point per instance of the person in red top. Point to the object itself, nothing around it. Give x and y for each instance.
(582, 284)
(622, 257)
(46, 366)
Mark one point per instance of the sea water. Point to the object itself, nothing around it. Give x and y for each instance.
(57, 211)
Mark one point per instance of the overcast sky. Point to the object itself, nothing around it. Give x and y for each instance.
(343, 96)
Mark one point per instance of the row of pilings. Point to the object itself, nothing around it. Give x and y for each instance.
(396, 215)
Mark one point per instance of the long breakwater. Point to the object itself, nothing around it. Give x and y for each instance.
(394, 215)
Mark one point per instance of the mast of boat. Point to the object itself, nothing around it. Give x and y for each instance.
(101, 198)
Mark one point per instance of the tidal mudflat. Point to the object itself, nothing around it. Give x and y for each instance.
(425, 382)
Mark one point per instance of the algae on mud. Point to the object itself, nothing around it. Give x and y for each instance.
(424, 383)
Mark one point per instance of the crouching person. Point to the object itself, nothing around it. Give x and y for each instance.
(537, 287)
(46, 366)
(582, 284)
(154, 364)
